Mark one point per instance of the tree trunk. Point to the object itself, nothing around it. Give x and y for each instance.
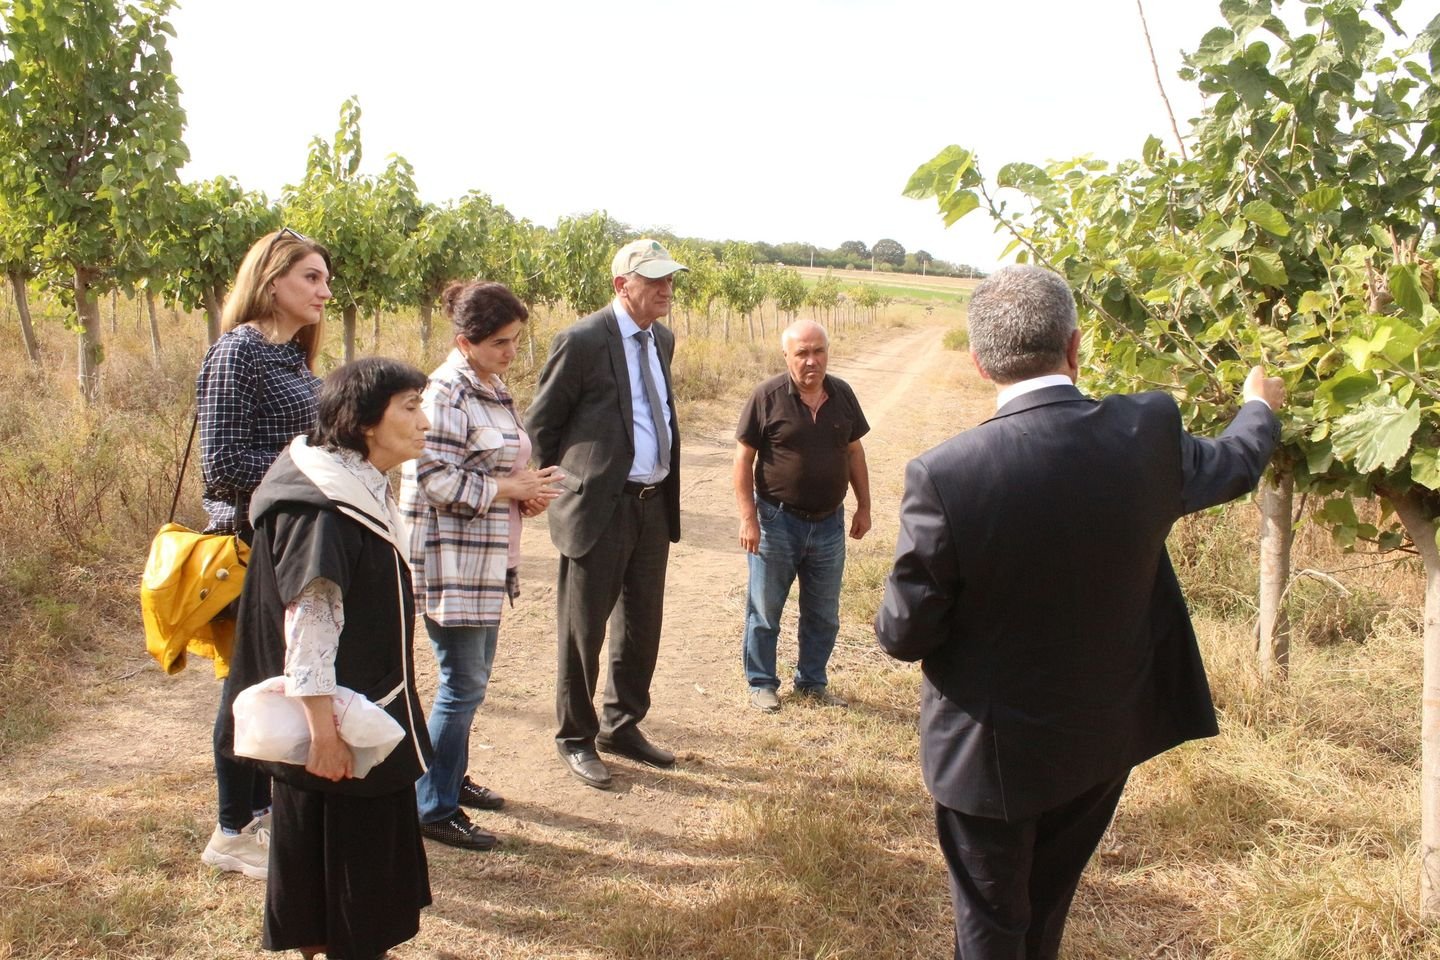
(154, 326)
(347, 315)
(1418, 511)
(114, 312)
(22, 307)
(211, 298)
(375, 331)
(427, 310)
(91, 353)
(1277, 532)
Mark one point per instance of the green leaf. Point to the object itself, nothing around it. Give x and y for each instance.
(1153, 151)
(1318, 458)
(1405, 287)
(1359, 350)
(1340, 511)
(1025, 177)
(952, 166)
(1342, 391)
(1266, 268)
(1376, 437)
(1250, 84)
(1266, 217)
(957, 204)
(1228, 239)
(1425, 467)
(1243, 15)
(1323, 199)
(1313, 301)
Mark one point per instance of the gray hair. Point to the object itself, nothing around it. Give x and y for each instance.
(794, 330)
(1021, 318)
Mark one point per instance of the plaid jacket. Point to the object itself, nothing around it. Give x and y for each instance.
(254, 397)
(459, 531)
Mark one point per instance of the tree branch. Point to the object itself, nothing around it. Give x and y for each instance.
(1174, 127)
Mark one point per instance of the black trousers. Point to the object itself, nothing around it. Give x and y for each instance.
(1012, 883)
(622, 581)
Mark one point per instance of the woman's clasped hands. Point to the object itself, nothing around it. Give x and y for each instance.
(532, 489)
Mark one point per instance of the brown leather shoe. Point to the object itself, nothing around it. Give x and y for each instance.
(634, 745)
(584, 766)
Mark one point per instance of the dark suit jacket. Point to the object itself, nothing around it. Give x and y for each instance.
(1031, 579)
(581, 419)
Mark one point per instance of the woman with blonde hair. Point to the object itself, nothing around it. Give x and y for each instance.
(256, 392)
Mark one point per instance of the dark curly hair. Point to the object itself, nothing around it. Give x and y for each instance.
(477, 308)
(354, 398)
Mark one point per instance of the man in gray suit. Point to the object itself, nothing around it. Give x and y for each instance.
(604, 412)
(1031, 581)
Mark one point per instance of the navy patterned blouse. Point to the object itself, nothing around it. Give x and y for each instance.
(254, 397)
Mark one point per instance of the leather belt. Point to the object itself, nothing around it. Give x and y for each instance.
(809, 516)
(643, 491)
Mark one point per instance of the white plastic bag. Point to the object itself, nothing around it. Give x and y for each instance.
(271, 726)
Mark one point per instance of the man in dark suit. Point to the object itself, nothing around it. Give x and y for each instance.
(1031, 580)
(603, 412)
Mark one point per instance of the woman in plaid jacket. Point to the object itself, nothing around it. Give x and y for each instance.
(464, 499)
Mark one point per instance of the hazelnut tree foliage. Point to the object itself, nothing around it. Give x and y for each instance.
(90, 135)
(1300, 231)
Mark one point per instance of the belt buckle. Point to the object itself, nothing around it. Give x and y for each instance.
(646, 491)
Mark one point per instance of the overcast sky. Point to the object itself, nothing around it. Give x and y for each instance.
(785, 120)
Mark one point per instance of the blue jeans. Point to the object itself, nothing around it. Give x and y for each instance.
(464, 656)
(791, 547)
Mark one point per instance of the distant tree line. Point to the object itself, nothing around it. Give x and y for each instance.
(885, 255)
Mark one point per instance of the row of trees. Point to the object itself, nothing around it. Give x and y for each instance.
(1298, 228)
(91, 202)
(886, 255)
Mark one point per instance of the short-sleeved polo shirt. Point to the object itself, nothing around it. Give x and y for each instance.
(802, 461)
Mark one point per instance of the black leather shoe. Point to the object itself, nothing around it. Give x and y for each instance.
(477, 797)
(456, 830)
(636, 747)
(584, 766)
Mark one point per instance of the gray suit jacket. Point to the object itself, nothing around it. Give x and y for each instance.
(1031, 580)
(581, 419)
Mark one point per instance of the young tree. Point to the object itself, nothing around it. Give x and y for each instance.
(740, 285)
(90, 137)
(1302, 232)
(789, 292)
(578, 260)
(450, 242)
(18, 238)
(361, 219)
(193, 258)
(696, 287)
(825, 295)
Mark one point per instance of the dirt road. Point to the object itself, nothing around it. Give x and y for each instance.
(137, 752)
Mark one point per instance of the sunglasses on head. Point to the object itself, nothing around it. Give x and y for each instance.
(283, 232)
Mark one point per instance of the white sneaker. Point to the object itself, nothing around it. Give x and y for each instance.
(247, 853)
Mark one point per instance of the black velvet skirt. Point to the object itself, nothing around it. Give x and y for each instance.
(347, 874)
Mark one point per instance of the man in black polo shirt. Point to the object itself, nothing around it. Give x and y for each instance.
(798, 447)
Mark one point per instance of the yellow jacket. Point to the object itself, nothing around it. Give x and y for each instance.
(190, 578)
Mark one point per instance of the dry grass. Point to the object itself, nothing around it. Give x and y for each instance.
(1292, 835)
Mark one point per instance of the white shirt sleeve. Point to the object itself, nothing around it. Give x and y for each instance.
(313, 622)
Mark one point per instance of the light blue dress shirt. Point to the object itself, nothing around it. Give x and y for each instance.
(646, 467)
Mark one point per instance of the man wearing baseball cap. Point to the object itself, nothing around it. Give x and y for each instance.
(603, 412)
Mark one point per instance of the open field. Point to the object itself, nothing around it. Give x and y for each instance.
(900, 286)
(801, 835)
